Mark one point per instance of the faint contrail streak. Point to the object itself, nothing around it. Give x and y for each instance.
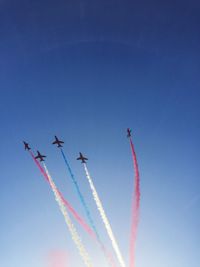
(71, 227)
(104, 218)
(135, 207)
(66, 203)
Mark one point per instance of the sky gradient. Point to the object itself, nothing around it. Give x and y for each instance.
(85, 71)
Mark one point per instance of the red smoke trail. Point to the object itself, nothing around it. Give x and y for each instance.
(135, 206)
(65, 202)
(73, 232)
(75, 214)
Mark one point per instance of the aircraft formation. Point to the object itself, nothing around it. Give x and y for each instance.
(59, 144)
(90, 228)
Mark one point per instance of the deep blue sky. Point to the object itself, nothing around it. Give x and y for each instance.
(87, 70)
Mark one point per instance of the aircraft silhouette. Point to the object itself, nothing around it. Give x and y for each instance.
(57, 142)
(39, 156)
(128, 132)
(26, 146)
(82, 158)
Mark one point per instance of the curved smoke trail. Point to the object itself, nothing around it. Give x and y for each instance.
(135, 206)
(104, 218)
(69, 223)
(77, 217)
(106, 253)
(66, 203)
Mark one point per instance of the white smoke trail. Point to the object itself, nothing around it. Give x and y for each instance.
(69, 223)
(104, 218)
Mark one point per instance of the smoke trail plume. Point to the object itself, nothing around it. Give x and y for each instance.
(72, 229)
(66, 203)
(58, 258)
(81, 196)
(135, 206)
(106, 253)
(77, 217)
(104, 218)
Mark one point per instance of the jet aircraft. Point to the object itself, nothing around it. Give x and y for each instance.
(39, 156)
(57, 142)
(26, 146)
(128, 132)
(82, 158)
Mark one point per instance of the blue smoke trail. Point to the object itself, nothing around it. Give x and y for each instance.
(81, 197)
(106, 253)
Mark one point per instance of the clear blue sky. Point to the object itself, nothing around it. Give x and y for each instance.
(87, 70)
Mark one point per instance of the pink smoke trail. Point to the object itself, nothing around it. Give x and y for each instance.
(75, 214)
(58, 258)
(109, 256)
(65, 202)
(135, 207)
(73, 232)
